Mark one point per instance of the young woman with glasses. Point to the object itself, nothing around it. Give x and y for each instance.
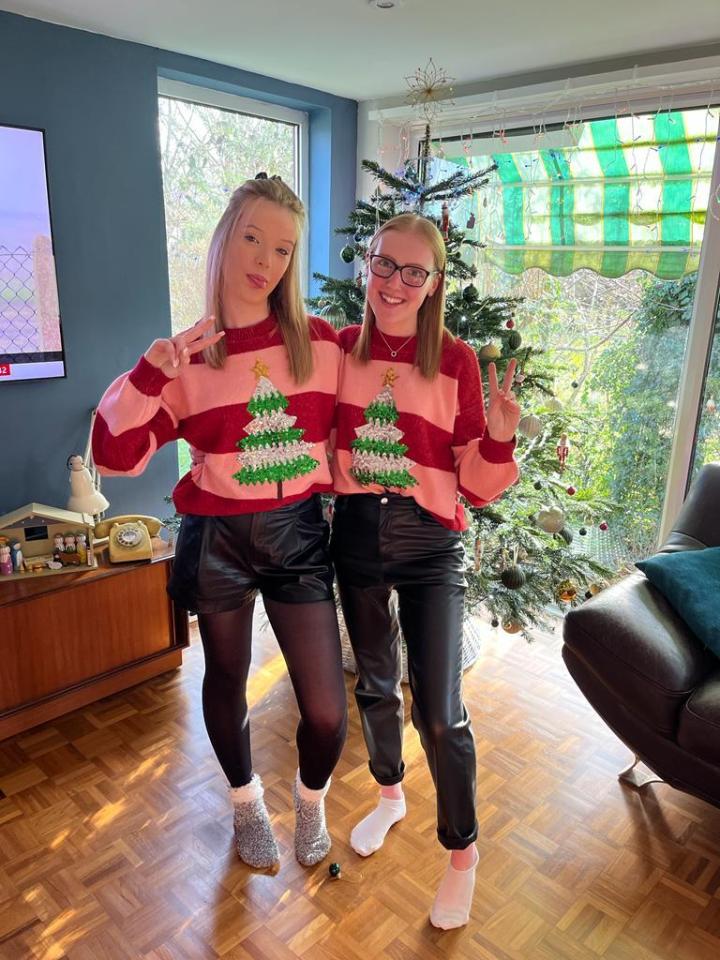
(413, 434)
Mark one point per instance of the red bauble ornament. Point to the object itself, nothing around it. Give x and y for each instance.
(603, 526)
(510, 324)
(571, 491)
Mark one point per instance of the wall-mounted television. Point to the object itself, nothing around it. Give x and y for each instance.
(30, 335)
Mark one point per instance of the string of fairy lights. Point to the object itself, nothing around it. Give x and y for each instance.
(430, 92)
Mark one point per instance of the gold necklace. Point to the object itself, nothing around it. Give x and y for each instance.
(393, 353)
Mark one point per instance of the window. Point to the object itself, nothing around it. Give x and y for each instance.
(210, 143)
(598, 226)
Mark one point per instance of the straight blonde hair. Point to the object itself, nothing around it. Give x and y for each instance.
(431, 331)
(285, 301)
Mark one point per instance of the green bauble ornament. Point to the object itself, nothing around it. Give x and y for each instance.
(514, 340)
(347, 254)
(566, 534)
(513, 577)
(470, 293)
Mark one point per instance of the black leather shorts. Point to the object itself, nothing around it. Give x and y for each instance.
(222, 562)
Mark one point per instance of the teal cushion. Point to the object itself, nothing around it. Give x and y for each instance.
(690, 582)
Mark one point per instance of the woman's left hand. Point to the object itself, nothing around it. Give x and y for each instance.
(503, 410)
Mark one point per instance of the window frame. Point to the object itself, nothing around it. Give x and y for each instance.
(208, 97)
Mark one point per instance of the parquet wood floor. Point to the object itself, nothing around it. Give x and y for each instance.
(115, 836)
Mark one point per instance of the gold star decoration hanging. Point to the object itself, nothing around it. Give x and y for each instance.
(428, 86)
(390, 378)
(261, 369)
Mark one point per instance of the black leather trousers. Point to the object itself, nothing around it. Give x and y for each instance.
(381, 542)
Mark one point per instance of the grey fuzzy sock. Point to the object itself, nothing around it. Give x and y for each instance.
(254, 840)
(312, 841)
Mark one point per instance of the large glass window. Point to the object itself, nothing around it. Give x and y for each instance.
(208, 148)
(598, 227)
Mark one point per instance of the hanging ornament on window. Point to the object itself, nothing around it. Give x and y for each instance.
(471, 222)
(562, 450)
(445, 220)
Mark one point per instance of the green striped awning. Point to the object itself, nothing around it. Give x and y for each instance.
(627, 193)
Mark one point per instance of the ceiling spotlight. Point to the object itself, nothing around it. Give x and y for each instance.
(385, 4)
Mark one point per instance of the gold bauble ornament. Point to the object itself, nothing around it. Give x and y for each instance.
(491, 351)
(566, 591)
(512, 626)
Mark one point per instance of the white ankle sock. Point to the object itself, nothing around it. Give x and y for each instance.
(453, 900)
(369, 834)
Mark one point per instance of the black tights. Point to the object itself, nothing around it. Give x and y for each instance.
(307, 634)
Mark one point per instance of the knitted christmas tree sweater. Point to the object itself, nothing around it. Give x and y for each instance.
(258, 440)
(428, 440)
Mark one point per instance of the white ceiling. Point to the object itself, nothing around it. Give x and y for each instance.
(350, 48)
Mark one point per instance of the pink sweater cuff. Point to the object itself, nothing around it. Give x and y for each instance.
(148, 379)
(496, 451)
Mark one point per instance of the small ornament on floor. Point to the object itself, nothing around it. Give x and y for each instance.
(334, 870)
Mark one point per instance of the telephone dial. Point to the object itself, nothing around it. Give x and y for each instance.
(129, 537)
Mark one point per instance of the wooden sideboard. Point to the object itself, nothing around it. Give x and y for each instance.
(70, 639)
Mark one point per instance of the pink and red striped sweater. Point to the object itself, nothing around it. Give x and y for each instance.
(442, 422)
(143, 409)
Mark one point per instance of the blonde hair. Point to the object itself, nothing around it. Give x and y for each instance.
(431, 329)
(285, 301)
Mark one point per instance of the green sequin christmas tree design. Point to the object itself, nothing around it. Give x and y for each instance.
(274, 449)
(377, 454)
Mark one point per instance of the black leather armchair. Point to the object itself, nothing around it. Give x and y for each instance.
(645, 673)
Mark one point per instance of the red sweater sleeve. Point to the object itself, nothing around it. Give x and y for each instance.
(133, 421)
(485, 467)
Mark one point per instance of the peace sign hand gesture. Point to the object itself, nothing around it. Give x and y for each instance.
(172, 354)
(503, 410)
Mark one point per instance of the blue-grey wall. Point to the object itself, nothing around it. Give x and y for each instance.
(96, 100)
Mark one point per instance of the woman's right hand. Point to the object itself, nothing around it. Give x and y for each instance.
(172, 354)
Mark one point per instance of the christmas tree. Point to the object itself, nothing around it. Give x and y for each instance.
(274, 449)
(377, 454)
(525, 549)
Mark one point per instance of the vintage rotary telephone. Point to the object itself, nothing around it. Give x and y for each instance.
(129, 537)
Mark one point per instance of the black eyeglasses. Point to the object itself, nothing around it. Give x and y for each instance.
(411, 276)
